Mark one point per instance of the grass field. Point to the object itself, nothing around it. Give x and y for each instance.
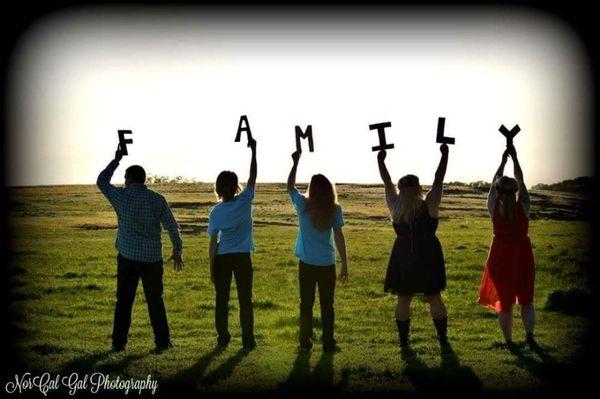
(64, 279)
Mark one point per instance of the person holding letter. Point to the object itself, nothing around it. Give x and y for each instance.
(320, 225)
(509, 273)
(231, 243)
(140, 213)
(416, 263)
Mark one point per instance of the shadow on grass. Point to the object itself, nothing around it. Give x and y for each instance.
(193, 376)
(449, 376)
(87, 363)
(302, 379)
(225, 370)
(547, 368)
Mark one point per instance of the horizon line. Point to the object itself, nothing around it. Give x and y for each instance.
(269, 182)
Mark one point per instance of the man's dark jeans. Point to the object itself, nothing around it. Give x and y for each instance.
(128, 275)
(311, 276)
(240, 266)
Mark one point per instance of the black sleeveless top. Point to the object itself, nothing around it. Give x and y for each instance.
(416, 264)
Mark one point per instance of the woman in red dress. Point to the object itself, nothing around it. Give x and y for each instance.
(509, 272)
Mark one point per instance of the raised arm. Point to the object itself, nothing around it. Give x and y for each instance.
(103, 181)
(390, 190)
(253, 167)
(340, 244)
(434, 196)
(291, 181)
(518, 172)
(168, 221)
(493, 194)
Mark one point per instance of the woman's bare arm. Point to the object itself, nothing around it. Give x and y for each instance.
(340, 244)
(518, 172)
(291, 181)
(212, 251)
(492, 194)
(434, 196)
(390, 190)
(253, 166)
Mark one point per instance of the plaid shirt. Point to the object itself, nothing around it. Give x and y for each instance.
(140, 213)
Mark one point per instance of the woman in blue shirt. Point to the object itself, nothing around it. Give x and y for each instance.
(231, 242)
(320, 224)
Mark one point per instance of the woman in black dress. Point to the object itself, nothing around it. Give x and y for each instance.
(416, 265)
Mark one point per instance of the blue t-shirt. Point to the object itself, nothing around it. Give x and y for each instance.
(314, 246)
(232, 221)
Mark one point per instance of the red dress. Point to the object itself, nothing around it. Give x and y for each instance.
(509, 272)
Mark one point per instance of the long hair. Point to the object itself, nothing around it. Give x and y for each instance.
(409, 201)
(507, 195)
(321, 202)
(226, 186)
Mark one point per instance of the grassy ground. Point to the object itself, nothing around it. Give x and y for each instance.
(63, 291)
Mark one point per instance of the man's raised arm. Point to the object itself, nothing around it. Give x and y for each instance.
(103, 181)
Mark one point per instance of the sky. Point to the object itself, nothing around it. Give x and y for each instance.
(180, 78)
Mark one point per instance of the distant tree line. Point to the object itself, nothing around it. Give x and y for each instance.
(479, 184)
(582, 184)
(158, 179)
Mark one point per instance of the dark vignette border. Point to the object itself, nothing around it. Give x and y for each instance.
(17, 19)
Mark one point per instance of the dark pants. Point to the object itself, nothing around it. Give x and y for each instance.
(240, 266)
(128, 275)
(310, 276)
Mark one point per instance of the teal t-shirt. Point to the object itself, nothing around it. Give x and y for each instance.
(314, 246)
(232, 221)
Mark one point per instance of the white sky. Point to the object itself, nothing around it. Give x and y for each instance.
(181, 78)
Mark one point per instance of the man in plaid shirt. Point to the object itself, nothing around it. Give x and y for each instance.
(140, 214)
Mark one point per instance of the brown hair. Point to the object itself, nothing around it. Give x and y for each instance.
(226, 186)
(507, 189)
(409, 200)
(321, 202)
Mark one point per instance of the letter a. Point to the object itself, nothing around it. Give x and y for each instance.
(243, 119)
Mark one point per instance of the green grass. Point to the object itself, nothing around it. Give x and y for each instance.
(64, 279)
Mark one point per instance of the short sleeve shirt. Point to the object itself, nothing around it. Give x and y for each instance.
(232, 222)
(314, 246)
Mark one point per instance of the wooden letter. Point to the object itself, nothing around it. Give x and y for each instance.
(243, 119)
(304, 135)
(509, 134)
(123, 141)
(383, 145)
(440, 133)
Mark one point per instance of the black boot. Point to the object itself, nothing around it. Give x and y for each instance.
(403, 330)
(531, 343)
(529, 338)
(441, 326)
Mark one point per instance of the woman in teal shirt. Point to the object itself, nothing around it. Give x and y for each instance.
(231, 243)
(320, 224)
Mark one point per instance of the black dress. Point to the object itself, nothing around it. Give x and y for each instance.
(417, 262)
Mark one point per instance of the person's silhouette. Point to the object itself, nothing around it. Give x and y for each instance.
(509, 274)
(231, 244)
(416, 264)
(140, 213)
(320, 225)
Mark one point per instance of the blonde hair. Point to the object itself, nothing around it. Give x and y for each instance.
(507, 189)
(409, 201)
